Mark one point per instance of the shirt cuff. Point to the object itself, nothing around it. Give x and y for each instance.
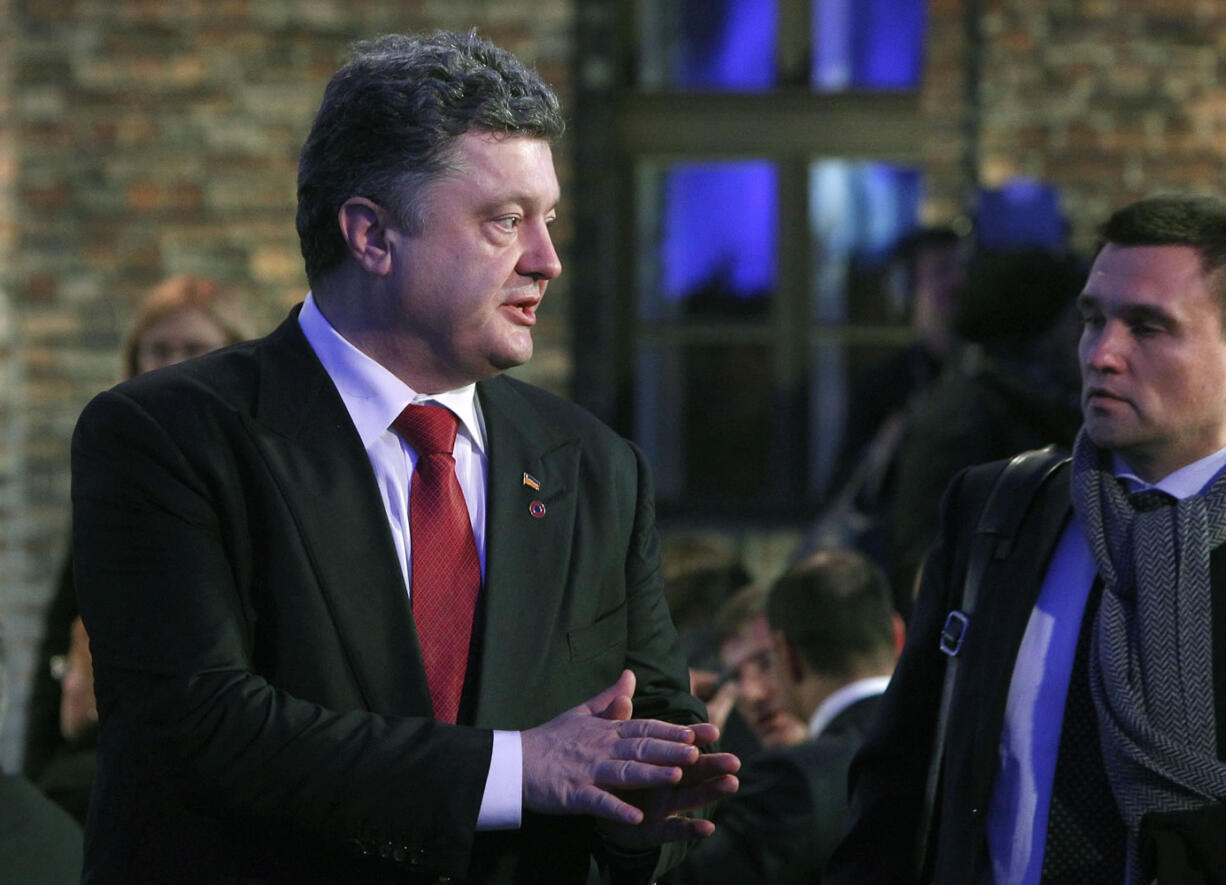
(503, 799)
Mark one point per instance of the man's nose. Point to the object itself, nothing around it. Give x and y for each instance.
(1102, 350)
(540, 259)
(753, 687)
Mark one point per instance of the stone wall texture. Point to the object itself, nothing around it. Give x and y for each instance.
(1108, 100)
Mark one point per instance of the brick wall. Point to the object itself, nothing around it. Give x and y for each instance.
(141, 138)
(1109, 100)
(942, 106)
(12, 496)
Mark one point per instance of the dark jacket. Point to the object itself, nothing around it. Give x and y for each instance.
(264, 710)
(788, 815)
(889, 774)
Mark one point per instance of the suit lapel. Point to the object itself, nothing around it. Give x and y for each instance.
(528, 545)
(314, 452)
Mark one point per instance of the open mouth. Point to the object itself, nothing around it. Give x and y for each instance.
(524, 313)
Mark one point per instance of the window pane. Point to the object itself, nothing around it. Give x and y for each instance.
(858, 212)
(708, 44)
(839, 373)
(867, 44)
(707, 240)
(708, 419)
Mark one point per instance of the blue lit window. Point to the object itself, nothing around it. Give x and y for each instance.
(730, 45)
(858, 212)
(712, 44)
(867, 44)
(717, 241)
(754, 286)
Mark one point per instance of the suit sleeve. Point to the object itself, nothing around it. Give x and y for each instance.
(653, 649)
(780, 826)
(184, 712)
(653, 652)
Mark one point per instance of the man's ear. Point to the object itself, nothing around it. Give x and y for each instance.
(899, 632)
(364, 227)
(789, 657)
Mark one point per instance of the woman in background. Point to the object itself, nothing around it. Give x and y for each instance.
(180, 318)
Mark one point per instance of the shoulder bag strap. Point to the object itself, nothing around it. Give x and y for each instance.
(1020, 480)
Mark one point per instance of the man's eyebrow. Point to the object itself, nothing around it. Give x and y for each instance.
(1130, 312)
(537, 203)
(1147, 313)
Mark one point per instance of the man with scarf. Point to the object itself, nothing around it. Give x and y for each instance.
(1084, 733)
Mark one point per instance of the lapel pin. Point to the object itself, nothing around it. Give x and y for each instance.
(537, 509)
(532, 482)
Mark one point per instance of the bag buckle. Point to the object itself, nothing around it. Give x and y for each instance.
(954, 633)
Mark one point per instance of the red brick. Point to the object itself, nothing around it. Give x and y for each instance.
(144, 196)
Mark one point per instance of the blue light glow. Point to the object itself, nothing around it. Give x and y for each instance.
(720, 225)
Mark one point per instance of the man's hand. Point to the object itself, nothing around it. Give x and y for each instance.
(711, 777)
(574, 762)
(719, 695)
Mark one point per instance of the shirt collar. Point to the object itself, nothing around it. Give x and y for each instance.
(838, 701)
(372, 394)
(1183, 483)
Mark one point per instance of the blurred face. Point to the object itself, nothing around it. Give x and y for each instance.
(748, 659)
(939, 271)
(1153, 358)
(177, 337)
(78, 709)
(469, 284)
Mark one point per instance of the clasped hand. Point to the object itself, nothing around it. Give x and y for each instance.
(636, 775)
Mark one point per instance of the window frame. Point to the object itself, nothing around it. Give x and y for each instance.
(617, 126)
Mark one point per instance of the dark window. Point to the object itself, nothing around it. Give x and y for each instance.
(743, 169)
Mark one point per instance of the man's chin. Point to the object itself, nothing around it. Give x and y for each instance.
(1106, 434)
(511, 357)
(776, 734)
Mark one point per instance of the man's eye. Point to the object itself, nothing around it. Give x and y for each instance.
(508, 223)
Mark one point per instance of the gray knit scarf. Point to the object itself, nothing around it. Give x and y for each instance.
(1151, 671)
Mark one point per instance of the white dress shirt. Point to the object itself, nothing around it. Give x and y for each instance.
(839, 700)
(1034, 709)
(374, 397)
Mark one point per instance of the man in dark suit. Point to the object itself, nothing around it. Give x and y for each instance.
(1086, 725)
(306, 670)
(836, 638)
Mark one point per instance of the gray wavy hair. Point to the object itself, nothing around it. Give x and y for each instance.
(389, 123)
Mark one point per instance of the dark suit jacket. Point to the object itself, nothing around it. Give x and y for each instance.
(889, 774)
(788, 815)
(265, 715)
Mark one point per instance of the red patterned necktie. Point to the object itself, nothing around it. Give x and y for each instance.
(446, 571)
